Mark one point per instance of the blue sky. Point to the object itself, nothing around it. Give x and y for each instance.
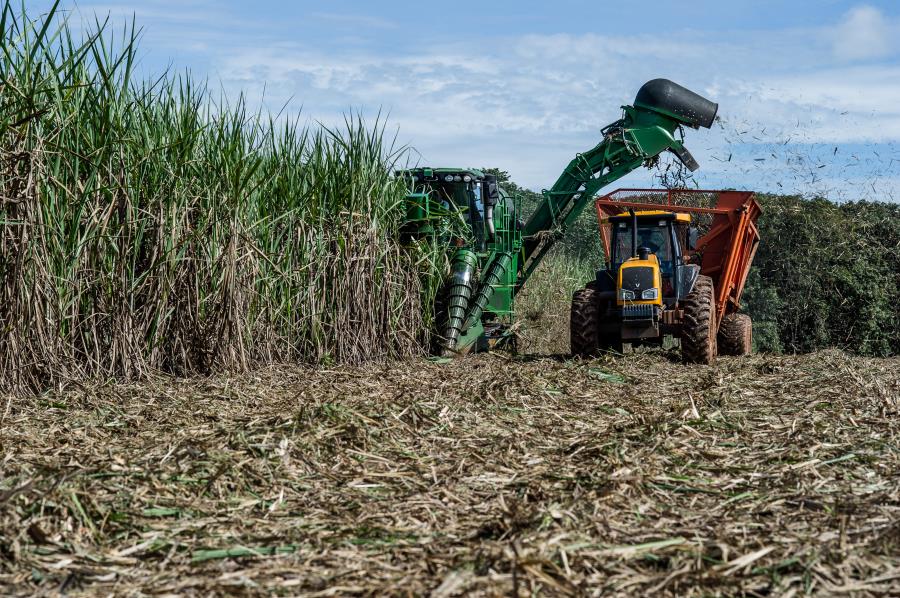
(809, 91)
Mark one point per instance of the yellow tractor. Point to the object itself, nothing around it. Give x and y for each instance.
(663, 279)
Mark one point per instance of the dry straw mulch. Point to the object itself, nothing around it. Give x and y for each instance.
(483, 476)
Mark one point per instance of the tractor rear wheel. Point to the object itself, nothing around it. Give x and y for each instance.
(736, 335)
(698, 328)
(584, 330)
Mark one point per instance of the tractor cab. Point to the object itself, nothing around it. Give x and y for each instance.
(646, 255)
(648, 272)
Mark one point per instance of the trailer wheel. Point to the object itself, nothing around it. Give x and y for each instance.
(698, 329)
(736, 335)
(584, 323)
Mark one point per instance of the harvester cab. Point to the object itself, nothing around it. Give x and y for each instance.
(467, 211)
(468, 196)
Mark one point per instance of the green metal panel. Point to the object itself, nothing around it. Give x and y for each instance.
(509, 240)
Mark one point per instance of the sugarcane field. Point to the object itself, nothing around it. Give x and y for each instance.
(449, 300)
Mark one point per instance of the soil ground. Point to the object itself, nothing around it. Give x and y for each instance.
(488, 476)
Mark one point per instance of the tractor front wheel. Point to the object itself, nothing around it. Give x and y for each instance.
(584, 333)
(698, 329)
(736, 335)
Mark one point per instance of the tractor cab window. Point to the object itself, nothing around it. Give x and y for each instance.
(656, 239)
(653, 235)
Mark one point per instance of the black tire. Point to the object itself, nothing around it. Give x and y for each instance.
(584, 337)
(698, 329)
(736, 335)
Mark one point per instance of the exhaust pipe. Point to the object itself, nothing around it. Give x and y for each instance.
(634, 247)
(491, 197)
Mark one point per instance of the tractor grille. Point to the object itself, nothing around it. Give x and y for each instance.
(639, 312)
(637, 279)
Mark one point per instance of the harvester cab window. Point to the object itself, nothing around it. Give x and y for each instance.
(479, 204)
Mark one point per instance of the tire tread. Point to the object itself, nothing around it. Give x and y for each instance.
(584, 337)
(698, 333)
(736, 335)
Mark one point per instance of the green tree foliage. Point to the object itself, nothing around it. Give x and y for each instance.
(826, 275)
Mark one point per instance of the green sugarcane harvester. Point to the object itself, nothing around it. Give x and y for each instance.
(493, 253)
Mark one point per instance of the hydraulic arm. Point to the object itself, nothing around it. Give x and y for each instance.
(645, 130)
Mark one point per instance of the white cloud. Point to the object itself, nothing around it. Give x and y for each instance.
(865, 33)
(841, 104)
(350, 20)
(528, 103)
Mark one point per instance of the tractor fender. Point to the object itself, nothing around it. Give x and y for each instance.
(687, 278)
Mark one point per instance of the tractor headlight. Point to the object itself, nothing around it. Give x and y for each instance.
(467, 179)
(626, 295)
(449, 178)
(652, 294)
(457, 178)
